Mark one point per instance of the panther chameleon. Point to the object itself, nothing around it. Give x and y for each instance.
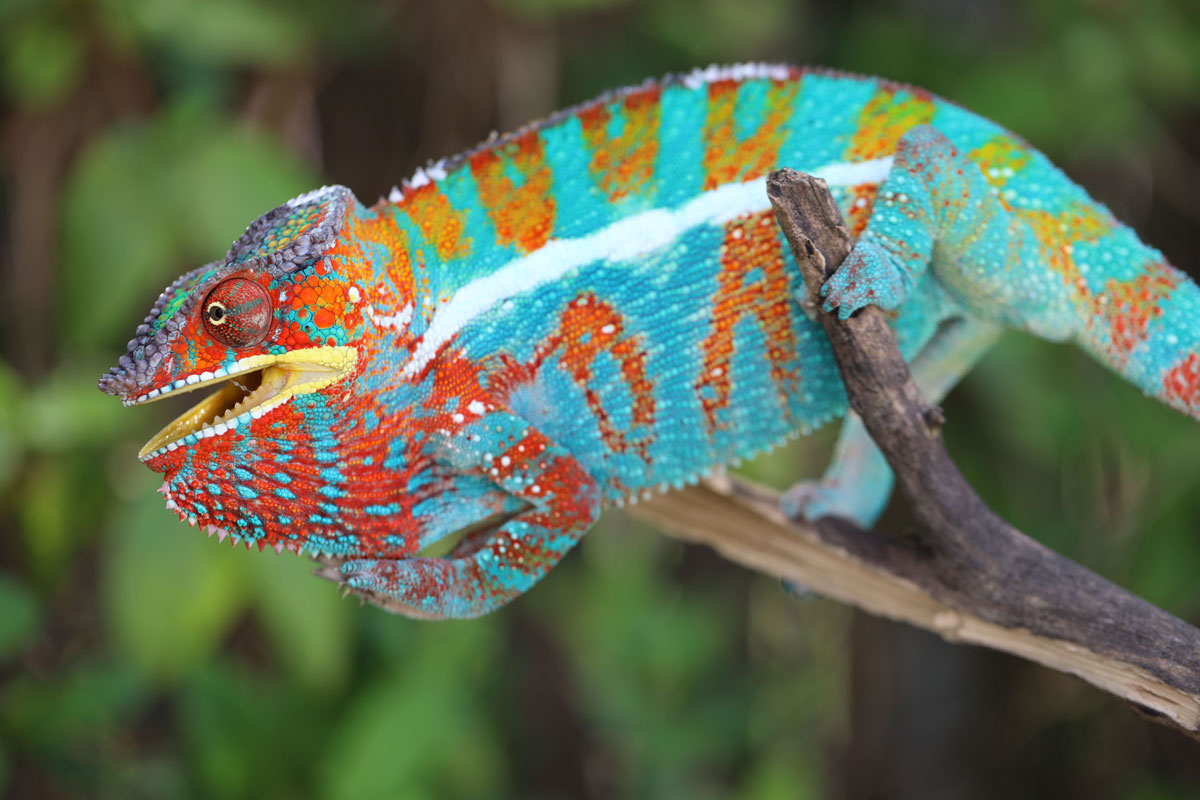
(600, 305)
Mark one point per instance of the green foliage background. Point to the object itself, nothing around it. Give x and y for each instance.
(140, 659)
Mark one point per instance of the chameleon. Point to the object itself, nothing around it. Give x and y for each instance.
(599, 306)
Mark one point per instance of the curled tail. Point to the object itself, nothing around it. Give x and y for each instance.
(1145, 324)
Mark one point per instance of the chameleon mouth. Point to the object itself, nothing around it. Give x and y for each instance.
(248, 389)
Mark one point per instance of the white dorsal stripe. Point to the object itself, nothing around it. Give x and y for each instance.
(623, 240)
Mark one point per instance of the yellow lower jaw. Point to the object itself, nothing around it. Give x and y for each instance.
(283, 377)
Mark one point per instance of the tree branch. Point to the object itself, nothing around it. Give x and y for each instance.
(972, 577)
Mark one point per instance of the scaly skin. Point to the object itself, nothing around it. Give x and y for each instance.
(600, 305)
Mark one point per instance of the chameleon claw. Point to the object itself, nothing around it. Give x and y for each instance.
(329, 571)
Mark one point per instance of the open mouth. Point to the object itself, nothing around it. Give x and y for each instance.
(246, 390)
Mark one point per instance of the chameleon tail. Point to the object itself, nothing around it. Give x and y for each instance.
(1075, 272)
(1146, 326)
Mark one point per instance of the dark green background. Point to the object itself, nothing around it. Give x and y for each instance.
(140, 659)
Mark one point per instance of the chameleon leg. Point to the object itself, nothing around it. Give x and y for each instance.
(489, 568)
(453, 502)
(858, 482)
(928, 198)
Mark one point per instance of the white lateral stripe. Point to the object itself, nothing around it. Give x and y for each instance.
(856, 174)
(621, 241)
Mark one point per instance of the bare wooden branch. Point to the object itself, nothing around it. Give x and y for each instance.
(971, 577)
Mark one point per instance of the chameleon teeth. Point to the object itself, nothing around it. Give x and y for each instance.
(201, 379)
(270, 382)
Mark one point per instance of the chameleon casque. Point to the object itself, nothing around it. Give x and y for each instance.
(600, 305)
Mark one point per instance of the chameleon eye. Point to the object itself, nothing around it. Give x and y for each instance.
(237, 312)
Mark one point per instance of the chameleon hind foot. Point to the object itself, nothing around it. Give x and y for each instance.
(926, 199)
(856, 485)
(858, 482)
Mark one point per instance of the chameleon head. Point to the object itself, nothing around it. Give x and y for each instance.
(277, 322)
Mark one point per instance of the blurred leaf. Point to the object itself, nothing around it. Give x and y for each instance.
(10, 10)
(653, 659)
(12, 410)
(720, 30)
(1015, 95)
(54, 431)
(247, 734)
(42, 62)
(218, 31)
(148, 201)
(18, 615)
(782, 779)
(170, 592)
(1165, 559)
(46, 514)
(307, 619)
(230, 728)
(119, 235)
(61, 715)
(537, 9)
(1154, 787)
(1167, 51)
(67, 413)
(419, 731)
(223, 176)
(1095, 59)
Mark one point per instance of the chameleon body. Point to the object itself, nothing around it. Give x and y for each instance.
(600, 305)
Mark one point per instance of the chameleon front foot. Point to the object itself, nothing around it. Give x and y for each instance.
(420, 588)
(424, 588)
(813, 500)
